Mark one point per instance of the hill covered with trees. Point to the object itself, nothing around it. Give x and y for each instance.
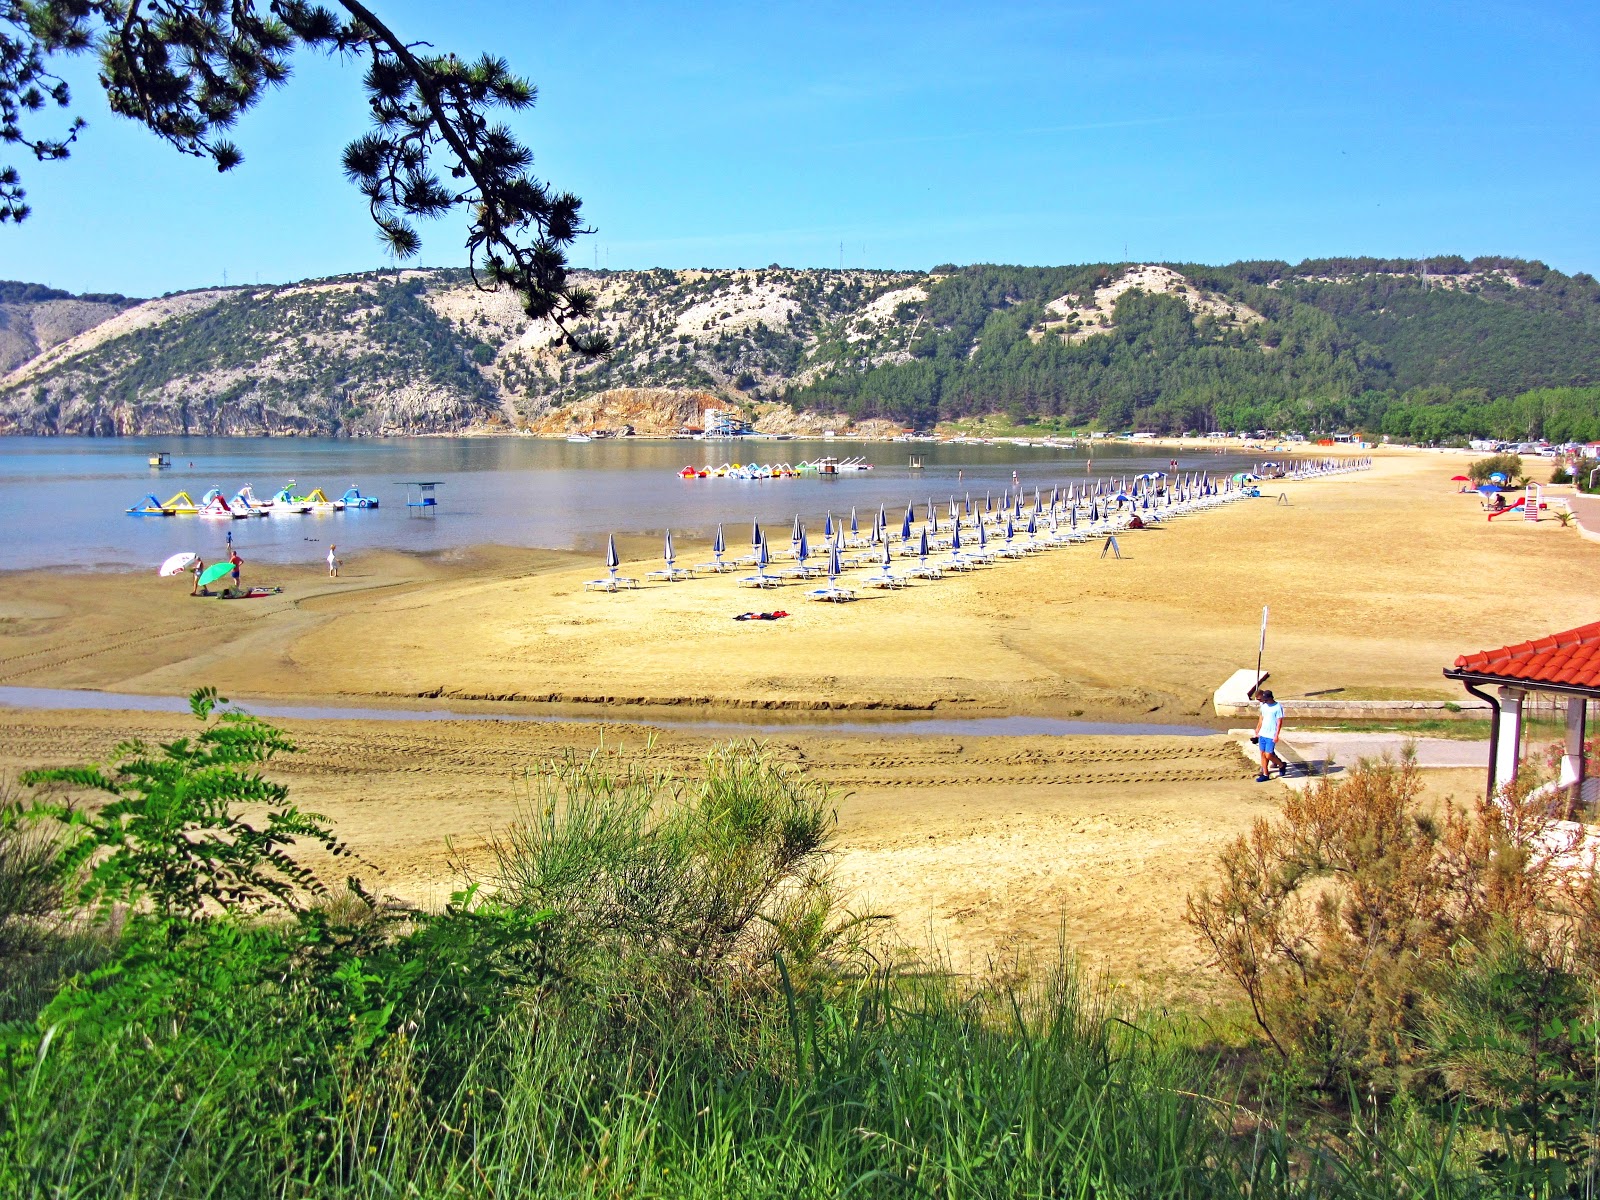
(1431, 351)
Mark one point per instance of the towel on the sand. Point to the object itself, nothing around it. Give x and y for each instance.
(755, 616)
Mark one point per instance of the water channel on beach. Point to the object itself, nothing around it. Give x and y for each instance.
(808, 723)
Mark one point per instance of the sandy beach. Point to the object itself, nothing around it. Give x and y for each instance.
(1376, 580)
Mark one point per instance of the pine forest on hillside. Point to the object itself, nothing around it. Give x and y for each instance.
(1433, 352)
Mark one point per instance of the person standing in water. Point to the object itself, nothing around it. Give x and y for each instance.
(333, 563)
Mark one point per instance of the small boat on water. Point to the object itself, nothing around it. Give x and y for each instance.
(354, 499)
(161, 461)
(151, 507)
(579, 437)
(244, 504)
(215, 508)
(182, 505)
(316, 500)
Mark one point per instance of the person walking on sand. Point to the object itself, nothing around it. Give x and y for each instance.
(199, 566)
(1269, 728)
(333, 563)
(233, 557)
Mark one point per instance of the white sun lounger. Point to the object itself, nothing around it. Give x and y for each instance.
(609, 584)
(759, 581)
(836, 594)
(670, 574)
(885, 580)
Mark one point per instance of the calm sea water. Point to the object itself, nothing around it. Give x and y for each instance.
(62, 499)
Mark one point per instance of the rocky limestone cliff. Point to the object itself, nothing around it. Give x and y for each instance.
(796, 351)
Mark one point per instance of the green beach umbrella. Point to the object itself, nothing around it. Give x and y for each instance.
(215, 572)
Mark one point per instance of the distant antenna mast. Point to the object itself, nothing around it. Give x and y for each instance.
(841, 256)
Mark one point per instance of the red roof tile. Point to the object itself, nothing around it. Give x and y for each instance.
(1571, 659)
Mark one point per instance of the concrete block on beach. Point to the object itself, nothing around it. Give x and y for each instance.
(1232, 699)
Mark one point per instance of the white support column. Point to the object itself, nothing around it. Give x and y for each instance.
(1508, 751)
(1572, 761)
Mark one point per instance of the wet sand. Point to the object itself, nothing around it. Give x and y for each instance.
(1376, 580)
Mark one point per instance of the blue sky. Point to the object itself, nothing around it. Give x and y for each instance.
(739, 134)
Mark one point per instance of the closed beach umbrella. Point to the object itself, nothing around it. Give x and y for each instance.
(1033, 526)
(983, 538)
(1038, 507)
(969, 504)
(834, 566)
(612, 561)
(1011, 531)
(1072, 517)
(922, 547)
(762, 557)
(1094, 511)
(955, 538)
(718, 544)
(794, 530)
(888, 559)
(883, 520)
(803, 550)
(855, 530)
(955, 512)
(905, 526)
(988, 502)
(827, 527)
(755, 535)
(1005, 500)
(177, 564)
(667, 550)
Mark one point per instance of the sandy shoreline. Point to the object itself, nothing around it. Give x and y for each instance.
(1376, 580)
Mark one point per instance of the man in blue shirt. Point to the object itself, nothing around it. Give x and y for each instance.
(1269, 728)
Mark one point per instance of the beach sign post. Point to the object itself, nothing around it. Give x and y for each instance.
(1261, 649)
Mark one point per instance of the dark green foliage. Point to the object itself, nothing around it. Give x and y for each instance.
(14, 291)
(1516, 1030)
(172, 833)
(1509, 465)
(1344, 344)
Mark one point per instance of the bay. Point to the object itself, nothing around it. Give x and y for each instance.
(63, 499)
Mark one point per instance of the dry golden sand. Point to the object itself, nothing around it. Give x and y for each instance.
(1376, 580)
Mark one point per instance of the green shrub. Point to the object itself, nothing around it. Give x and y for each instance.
(1509, 465)
(172, 833)
(680, 880)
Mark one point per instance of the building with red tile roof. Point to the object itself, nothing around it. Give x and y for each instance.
(1563, 664)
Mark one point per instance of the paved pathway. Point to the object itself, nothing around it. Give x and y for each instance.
(1333, 752)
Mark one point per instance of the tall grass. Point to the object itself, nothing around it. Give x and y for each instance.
(638, 1002)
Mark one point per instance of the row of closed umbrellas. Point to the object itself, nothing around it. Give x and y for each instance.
(1151, 491)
